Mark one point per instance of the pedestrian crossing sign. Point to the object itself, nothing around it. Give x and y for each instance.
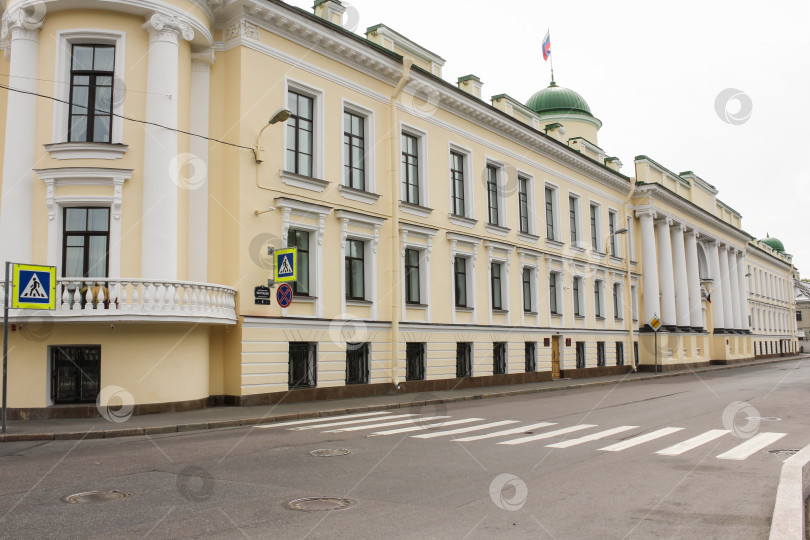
(285, 264)
(33, 287)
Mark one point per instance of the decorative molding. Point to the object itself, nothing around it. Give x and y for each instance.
(305, 182)
(358, 195)
(86, 150)
(242, 28)
(462, 221)
(30, 17)
(161, 22)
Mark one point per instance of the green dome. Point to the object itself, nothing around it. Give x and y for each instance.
(557, 100)
(775, 244)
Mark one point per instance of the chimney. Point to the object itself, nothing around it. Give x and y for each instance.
(331, 10)
(471, 84)
(614, 163)
(556, 131)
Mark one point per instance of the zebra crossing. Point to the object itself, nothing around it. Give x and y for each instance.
(384, 423)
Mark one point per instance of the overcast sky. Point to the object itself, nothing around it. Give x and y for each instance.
(651, 73)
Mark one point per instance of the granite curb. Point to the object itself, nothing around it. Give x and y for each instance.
(416, 402)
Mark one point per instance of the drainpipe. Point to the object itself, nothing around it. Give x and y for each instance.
(396, 296)
(628, 310)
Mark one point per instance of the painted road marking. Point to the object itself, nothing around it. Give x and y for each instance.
(424, 426)
(692, 443)
(465, 429)
(313, 420)
(513, 431)
(386, 424)
(591, 437)
(754, 444)
(548, 435)
(347, 422)
(641, 439)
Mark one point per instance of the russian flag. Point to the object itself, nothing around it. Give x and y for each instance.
(546, 46)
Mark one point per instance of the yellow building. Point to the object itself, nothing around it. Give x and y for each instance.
(443, 241)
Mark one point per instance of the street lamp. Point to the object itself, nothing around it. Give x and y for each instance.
(280, 115)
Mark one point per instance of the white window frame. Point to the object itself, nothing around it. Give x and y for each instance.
(422, 168)
(555, 210)
(615, 238)
(532, 288)
(599, 310)
(530, 197)
(370, 237)
(580, 241)
(617, 290)
(420, 239)
(469, 192)
(578, 304)
(318, 145)
(631, 237)
(293, 213)
(500, 253)
(559, 288)
(500, 181)
(599, 248)
(466, 247)
(369, 195)
(57, 178)
(61, 148)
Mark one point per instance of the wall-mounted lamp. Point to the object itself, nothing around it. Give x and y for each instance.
(268, 209)
(281, 115)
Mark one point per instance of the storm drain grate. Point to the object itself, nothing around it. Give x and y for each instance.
(329, 452)
(95, 497)
(783, 452)
(318, 504)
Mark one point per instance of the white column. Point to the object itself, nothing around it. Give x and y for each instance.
(735, 288)
(197, 185)
(693, 279)
(21, 121)
(681, 282)
(161, 163)
(649, 264)
(728, 314)
(743, 285)
(665, 272)
(718, 314)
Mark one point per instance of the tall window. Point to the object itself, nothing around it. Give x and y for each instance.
(300, 129)
(594, 228)
(492, 195)
(91, 89)
(499, 358)
(530, 353)
(617, 303)
(460, 279)
(619, 353)
(86, 240)
(357, 363)
(457, 180)
(410, 168)
(497, 301)
(300, 240)
(412, 276)
(580, 354)
(577, 290)
(552, 293)
(597, 298)
(463, 359)
(573, 205)
(600, 353)
(527, 290)
(355, 270)
(75, 372)
(354, 154)
(523, 203)
(550, 213)
(302, 360)
(612, 218)
(415, 361)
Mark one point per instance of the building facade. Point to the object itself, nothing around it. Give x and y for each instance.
(442, 240)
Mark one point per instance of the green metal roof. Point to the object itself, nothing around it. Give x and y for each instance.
(775, 244)
(555, 99)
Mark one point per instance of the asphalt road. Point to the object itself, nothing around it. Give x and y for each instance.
(570, 478)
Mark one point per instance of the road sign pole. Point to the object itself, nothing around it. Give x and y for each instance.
(5, 347)
(656, 353)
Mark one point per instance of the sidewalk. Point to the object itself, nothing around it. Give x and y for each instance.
(225, 417)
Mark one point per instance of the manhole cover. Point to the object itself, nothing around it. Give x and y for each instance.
(95, 497)
(318, 504)
(764, 418)
(783, 452)
(329, 452)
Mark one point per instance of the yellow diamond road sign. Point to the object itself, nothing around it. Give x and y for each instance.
(33, 287)
(655, 323)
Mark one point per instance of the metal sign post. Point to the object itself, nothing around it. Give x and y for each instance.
(655, 324)
(5, 346)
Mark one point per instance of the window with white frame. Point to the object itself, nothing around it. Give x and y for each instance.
(300, 239)
(458, 194)
(413, 294)
(355, 268)
(462, 266)
(497, 277)
(596, 227)
(494, 213)
(634, 301)
(573, 220)
(359, 238)
(525, 208)
(300, 133)
(617, 300)
(613, 226)
(554, 290)
(528, 289)
(598, 299)
(356, 167)
(86, 239)
(552, 230)
(92, 73)
(413, 150)
(631, 237)
(579, 309)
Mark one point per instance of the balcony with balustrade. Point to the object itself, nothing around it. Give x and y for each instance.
(136, 300)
